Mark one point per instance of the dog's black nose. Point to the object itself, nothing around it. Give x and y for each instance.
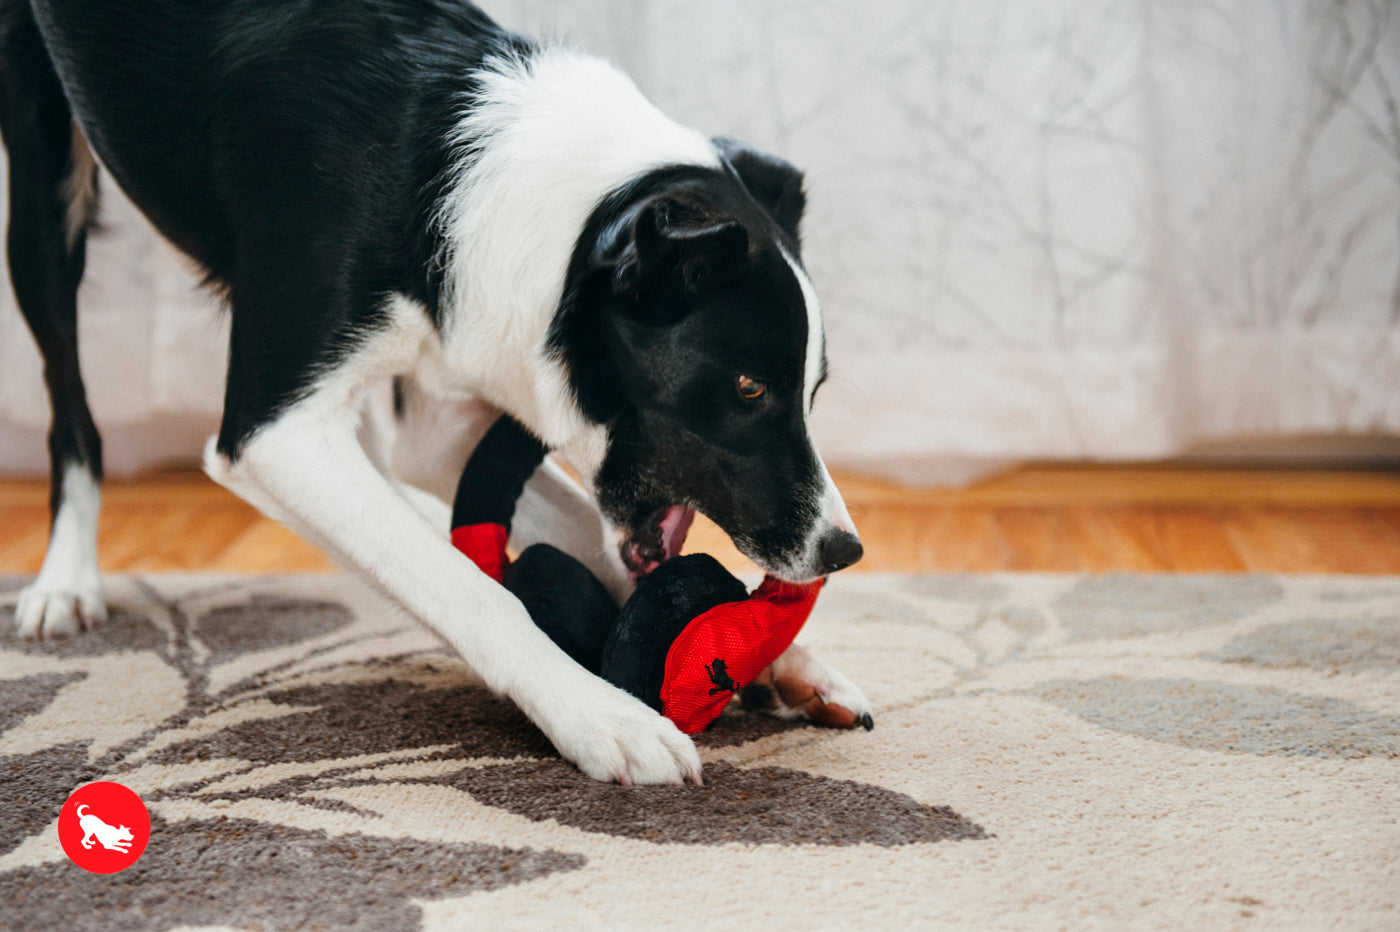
(840, 550)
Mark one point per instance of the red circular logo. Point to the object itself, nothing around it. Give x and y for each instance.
(104, 827)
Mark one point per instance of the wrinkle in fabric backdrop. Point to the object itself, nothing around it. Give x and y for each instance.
(1040, 230)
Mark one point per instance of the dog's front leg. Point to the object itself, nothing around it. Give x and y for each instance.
(308, 469)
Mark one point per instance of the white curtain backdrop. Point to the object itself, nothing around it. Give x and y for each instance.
(1044, 229)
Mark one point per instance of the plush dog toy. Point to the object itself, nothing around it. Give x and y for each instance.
(688, 639)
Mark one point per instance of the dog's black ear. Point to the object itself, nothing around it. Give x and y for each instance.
(774, 183)
(672, 245)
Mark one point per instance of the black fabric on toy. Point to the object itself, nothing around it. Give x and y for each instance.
(688, 629)
(566, 602)
(495, 476)
(667, 599)
(561, 595)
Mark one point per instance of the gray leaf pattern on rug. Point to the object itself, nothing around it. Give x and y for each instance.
(345, 720)
(198, 868)
(758, 806)
(237, 629)
(26, 695)
(1222, 717)
(34, 786)
(1132, 606)
(1328, 644)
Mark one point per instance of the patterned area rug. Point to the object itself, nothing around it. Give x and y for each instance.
(1049, 751)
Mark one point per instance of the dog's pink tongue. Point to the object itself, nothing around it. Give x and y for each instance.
(675, 524)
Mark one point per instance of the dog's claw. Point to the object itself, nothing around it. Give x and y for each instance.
(867, 722)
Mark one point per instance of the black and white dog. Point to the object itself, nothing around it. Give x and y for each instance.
(400, 192)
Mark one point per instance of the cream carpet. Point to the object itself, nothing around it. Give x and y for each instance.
(1049, 752)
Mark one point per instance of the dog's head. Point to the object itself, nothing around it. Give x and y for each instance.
(690, 330)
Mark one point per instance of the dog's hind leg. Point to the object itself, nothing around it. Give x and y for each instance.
(52, 190)
(799, 685)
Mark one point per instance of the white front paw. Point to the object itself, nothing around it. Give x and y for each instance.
(799, 685)
(53, 608)
(611, 736)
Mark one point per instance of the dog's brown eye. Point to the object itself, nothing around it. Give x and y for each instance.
(751, 389)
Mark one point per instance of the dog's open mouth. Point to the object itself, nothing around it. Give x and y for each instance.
(657, 539)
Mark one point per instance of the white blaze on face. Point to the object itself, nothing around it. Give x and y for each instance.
(831, 506)
(816, 336)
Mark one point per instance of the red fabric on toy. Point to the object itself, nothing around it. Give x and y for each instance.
(486, 545)
(722, 650)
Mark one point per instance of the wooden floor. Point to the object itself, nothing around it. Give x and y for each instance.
(1045, 518)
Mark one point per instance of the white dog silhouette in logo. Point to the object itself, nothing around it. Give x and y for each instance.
(116, 838)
